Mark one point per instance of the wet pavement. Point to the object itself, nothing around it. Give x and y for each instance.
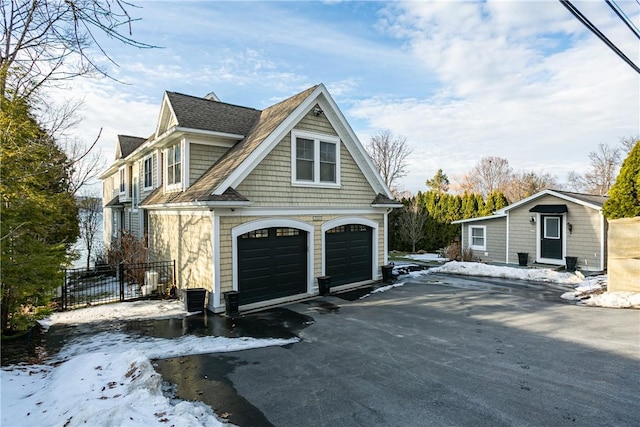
(440, 350)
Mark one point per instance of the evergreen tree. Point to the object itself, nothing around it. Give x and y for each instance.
(495, 200)
(439, 183)
(39, 215)
(624, 196)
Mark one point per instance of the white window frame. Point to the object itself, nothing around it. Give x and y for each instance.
(135, 192)
(317, 138)
(122, 180)
(151, 159)
(547, 219)
(177, 185)
(482, 247)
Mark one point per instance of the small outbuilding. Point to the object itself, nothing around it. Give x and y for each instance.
(550, 227)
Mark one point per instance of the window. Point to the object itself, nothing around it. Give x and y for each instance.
(135, 194)
(122, 180)
(477, 237)
(315, 159)
(174, 165)
(551, 227)
(148, 172)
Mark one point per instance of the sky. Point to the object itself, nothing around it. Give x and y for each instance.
(108, 378)
(522, 80)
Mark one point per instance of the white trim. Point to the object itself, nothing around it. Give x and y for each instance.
(603, 243)
(181, 212)
(506, 253)
(385, 235)
(186, 164)
(549, 193)
(151, 156)
(563, 234)
(545, 227)
(214, 300)
(248, 211)
(331, 111)
(177, 186)
(353, 220)
(484, 237)
(270, 223)
(480, 218)
(317, 139)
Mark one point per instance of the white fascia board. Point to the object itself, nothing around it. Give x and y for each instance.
(480, 218)
(331, 111)
(115, 166)
(549, 192)
(355, 147)
(224, 135)
(165, 105)
(196, 204)
(243, 170)
(310, 211)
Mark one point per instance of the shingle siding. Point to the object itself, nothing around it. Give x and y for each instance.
(269, 184)
(495, 237)
(201, 157)
(186, 238)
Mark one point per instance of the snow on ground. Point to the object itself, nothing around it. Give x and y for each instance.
(108, 379)
(485, 270)
(382, 289)
(426, 257)
(590, 290)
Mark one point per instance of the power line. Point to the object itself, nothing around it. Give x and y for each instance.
(623, 17)
(580, 17)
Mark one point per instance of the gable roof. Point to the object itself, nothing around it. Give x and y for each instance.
(262, 130)
(205, 186)
(589, 200)
(127, 145)
(207, 114)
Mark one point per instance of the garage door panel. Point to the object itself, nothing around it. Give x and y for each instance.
(348, 254)
(272, 263)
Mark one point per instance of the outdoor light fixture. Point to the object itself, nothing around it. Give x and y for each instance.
(532, 219)
(570, 227)
(317, 111)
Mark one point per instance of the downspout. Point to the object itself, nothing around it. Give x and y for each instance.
(215, 247)
(386, 239)
(506, 253)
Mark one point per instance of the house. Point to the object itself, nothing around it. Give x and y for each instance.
(256, 201)
(548, 226)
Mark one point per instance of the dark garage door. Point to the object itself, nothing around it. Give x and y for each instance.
(348, 254)
(272, 263)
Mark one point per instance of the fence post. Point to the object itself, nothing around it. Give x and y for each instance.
(64, 290)
(121, 279)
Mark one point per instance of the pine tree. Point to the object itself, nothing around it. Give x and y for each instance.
(624, 195)
(39, 215)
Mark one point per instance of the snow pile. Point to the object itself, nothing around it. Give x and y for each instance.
(480, 269)
(593, 292)
(122, 311)
(427, 257)
(115, 389)
(382, 289)
(107, 379)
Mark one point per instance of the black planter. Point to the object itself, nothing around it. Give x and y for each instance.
(232, 303)
(523, 258)
(324, 285)
(387, 272)
(194, 299)
(571, 262)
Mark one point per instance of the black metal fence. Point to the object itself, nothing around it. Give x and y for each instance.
(104, 283)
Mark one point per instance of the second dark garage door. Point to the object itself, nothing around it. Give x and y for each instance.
(348, 254)
(272, 263)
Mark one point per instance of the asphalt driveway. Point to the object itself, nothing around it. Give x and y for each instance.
(429, 353)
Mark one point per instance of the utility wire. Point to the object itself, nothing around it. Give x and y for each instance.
(580, 17)
(624, 18)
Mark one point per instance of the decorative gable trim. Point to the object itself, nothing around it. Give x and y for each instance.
(328, 106)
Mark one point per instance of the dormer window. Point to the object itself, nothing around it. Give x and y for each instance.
(315, 159)
(174, 166)
(148, 171)
(123, 180)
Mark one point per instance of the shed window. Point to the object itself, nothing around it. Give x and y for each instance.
(477, 237)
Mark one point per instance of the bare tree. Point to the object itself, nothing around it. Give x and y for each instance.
(628, 144)
(389, 155)
(48, 41)
(601, 175)
(526, 183)
(411, 223)
(490, 174)
(90, 220)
